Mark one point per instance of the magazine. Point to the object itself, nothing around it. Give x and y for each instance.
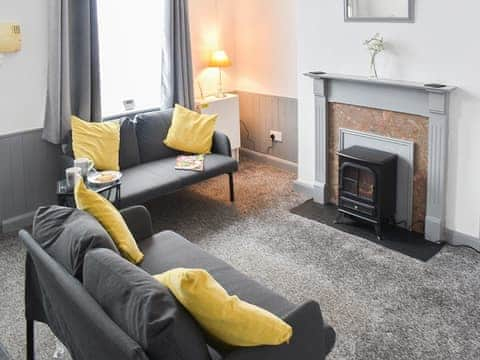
(190, 162)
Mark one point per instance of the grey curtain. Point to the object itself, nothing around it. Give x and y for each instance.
(73, 86)
(177, 71)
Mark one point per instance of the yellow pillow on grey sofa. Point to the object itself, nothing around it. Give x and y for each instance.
(99, 142)
(226, 318)
(112, 221)
(190, 131)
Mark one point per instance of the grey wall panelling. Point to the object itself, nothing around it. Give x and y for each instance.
(29, 169)
(262, 113)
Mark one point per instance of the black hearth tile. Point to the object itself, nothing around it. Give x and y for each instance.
(394, 238)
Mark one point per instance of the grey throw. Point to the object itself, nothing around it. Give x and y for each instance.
(73, 86)
(177, 72)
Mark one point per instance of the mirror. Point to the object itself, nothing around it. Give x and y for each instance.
(379, 10)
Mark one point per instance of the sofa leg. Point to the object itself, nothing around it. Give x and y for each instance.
(232, 192)
(30, 340)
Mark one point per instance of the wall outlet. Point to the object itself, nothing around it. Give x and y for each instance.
(277, 135)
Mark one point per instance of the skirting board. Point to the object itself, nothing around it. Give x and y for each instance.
(453, 237)
(304, 188)
(459, 239)
(268, 159)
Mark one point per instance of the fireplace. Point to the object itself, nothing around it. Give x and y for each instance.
(397, 97)
(367, 186)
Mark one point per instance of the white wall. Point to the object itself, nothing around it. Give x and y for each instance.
(439, 47)
(23, 74)
(265, 37)
(212, 28)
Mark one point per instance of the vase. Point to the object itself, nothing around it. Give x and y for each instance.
(373, 67)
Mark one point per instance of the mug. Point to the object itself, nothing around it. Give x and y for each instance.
(72, 176)
(84, 164)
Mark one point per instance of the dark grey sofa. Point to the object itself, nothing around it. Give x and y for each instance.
(148, 166)
(54, 296)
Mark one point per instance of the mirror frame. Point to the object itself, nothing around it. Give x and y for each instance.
(409, 19)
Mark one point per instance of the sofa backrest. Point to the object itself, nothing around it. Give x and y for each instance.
(69, 310)
(141, 140)
(144, 308)
(152, 128)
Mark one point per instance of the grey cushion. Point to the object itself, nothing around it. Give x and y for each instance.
(152, 129)
(143, 308)
(129, 154)
(153, 179)
(55, 297)
(68, 234)
(168, 250)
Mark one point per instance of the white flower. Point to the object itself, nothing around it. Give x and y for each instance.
(376, 44)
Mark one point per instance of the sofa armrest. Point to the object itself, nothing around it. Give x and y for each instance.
(309, 340)
(139, 222)
(221, 144)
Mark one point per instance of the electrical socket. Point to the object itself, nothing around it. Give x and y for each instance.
(277, 135)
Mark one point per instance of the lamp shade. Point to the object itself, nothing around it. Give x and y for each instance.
(219, 59)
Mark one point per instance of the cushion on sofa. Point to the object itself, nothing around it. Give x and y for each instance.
(110, 218)
(224, 316)
(191, 132)
(153, 179)
(143, 308)
(168, 250)
(68, 234)
(129, 154)
(152, 129)
(99, 142)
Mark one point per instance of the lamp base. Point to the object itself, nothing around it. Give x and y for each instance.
(220, 95)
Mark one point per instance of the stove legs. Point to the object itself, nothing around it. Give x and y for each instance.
(339, 218)
(378, 231)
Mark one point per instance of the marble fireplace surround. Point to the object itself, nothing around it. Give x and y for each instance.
(396, 96)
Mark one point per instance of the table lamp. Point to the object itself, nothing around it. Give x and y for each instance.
(220, 59)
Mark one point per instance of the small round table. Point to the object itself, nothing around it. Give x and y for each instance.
(65, 196)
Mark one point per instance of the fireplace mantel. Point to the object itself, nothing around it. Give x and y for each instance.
(391, 95)
(371, 81)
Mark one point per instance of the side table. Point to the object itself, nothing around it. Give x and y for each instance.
(66, 198)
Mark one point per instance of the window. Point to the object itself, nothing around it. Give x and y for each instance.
(130, 54)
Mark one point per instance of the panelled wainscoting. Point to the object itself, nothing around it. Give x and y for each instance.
(261, 113)
(29, 169)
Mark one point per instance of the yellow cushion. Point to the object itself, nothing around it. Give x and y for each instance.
(190, 131)
(226, 318)
(107, 215)
(100, 142)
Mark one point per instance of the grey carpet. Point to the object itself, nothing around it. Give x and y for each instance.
(383, 305)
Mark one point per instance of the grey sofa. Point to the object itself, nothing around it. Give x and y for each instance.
(148, 166)
(55, 296)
